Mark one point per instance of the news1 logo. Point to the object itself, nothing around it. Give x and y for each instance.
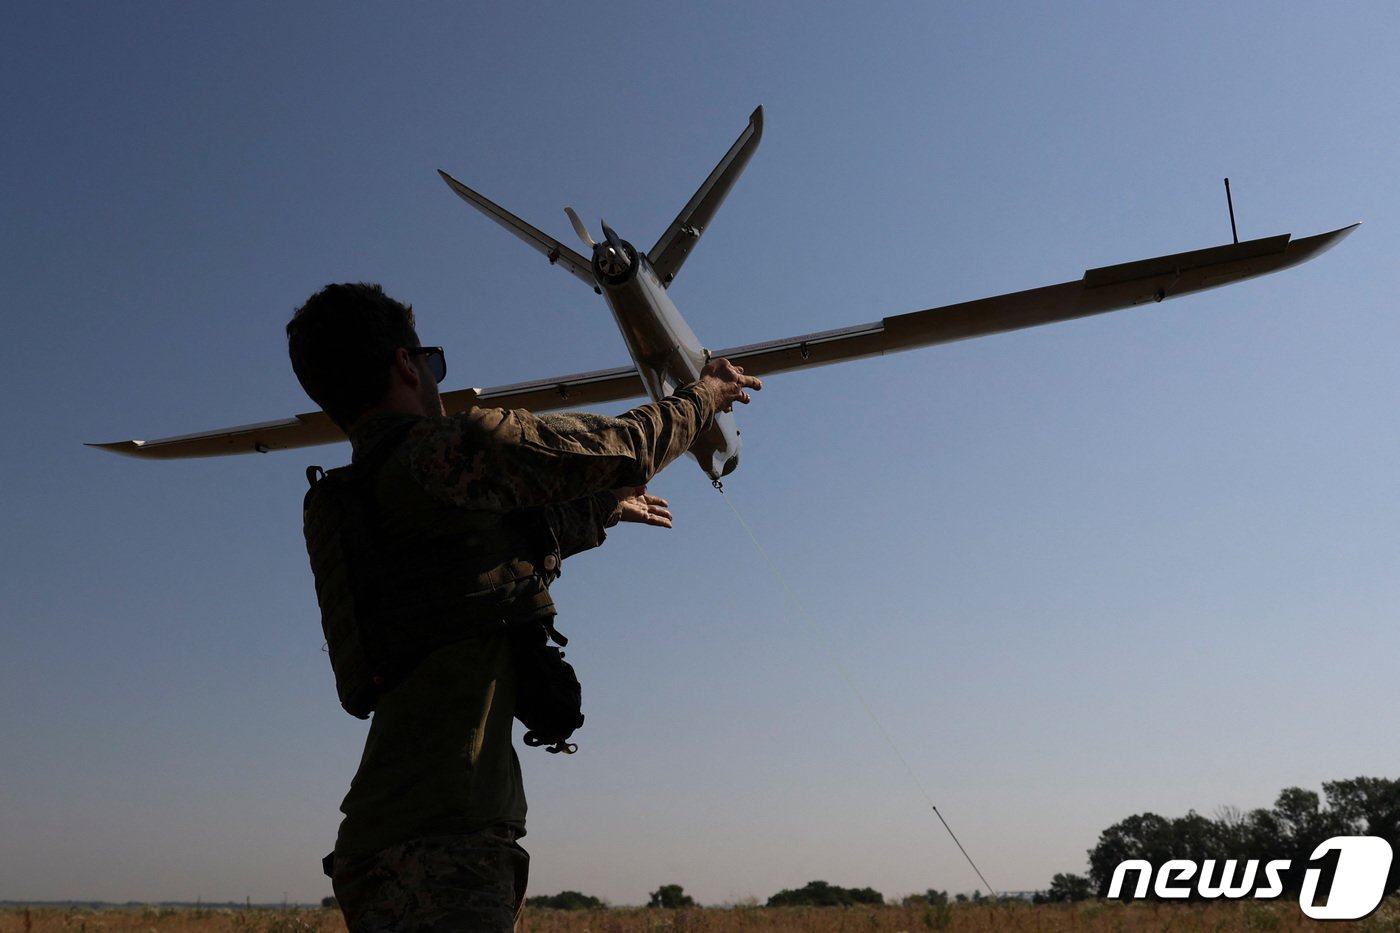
(1358, 881)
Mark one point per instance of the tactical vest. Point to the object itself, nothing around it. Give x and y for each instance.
(400, 573)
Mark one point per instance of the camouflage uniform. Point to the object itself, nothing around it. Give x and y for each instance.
(436, 884)
(433, 814)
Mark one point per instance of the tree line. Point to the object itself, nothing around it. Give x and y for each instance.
(1291, 829)
(673, 897)
(1298, 822)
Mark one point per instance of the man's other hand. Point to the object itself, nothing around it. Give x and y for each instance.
(639, 507)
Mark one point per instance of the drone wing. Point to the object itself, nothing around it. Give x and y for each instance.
(313, 428)
(1109, 288)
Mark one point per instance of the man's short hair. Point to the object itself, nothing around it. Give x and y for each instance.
(342, 343)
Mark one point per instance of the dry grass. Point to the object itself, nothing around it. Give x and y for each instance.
(1106, 917)
(169, 920)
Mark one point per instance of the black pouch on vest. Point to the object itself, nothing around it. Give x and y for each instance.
(548, 698)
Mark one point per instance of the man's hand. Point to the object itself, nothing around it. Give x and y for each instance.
(727, 383)
(639, 507)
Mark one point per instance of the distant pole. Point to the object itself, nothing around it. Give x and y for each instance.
(1231, 202)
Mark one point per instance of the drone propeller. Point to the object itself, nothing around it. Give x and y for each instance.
(579, 228)
(611, 255)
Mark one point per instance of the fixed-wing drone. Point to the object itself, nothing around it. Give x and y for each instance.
(666, 353)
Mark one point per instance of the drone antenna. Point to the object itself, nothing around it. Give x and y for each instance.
(1231, 202)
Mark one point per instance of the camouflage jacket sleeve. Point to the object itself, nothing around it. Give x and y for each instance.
(580, 524)
(502, 460)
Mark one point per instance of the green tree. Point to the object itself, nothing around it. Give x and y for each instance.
(1069, 888)
(1141, 836)
(931, 897)
(821, 894)
(1292, 829)
(671, 897)
(1371, 807)
(565, 900)
(1302, 823)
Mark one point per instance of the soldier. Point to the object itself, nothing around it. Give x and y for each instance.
(470, 516)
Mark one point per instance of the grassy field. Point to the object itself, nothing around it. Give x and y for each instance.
(957, 918)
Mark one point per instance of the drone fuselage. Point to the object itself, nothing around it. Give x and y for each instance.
(664, 349)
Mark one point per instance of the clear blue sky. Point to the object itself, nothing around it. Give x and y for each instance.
(1146, 561)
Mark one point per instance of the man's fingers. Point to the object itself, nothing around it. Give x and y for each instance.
(730, 383)
(656, 515)
(640, 507)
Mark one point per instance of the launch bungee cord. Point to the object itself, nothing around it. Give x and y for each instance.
(821, 637)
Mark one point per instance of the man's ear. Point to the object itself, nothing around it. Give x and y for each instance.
(404, 369)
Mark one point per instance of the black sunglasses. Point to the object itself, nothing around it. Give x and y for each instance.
(437, 361)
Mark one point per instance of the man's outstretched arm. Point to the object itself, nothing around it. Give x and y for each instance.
(501, 460)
